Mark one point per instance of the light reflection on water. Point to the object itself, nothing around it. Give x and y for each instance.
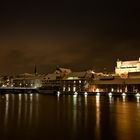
(19, 109)
(69, 117)
(20, 96)
(127, 119)
(97, 117)
(6, 109)
(110, 99)
(124, 99)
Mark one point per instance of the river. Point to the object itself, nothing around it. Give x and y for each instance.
(69, 117)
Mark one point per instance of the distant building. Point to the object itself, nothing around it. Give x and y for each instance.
(76, 81)
(66, 81)
(124, 67)
(27, 80)
(62, 71)
(53, 80)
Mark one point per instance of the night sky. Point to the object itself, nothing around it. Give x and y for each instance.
(72, 34)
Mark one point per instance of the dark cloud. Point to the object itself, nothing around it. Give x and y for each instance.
(74, 35)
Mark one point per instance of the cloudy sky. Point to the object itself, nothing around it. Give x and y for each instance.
(73, 34)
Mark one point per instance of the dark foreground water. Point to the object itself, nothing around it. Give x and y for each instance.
(44, 117)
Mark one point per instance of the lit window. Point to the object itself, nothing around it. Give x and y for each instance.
(112, 89)
(64, 88)
(68, 88)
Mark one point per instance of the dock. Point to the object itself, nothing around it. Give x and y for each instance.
(16, 90)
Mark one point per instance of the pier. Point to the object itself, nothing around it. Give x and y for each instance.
(100, 93)
(16, 90)
(28, 90)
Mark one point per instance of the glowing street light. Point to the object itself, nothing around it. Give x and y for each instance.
(137, 95)
(110, 94)
(98, 94)
(123, 94)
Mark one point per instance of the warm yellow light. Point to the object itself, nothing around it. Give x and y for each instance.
(97, 90)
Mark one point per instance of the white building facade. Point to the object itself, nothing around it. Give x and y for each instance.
(125, 67)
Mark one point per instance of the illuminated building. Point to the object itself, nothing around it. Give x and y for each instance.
(27, 80)
(68, 83)
(125, 79)
(52, 82)
(75, 81)
(124, 67)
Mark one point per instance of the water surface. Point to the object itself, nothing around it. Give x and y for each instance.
(67, 117)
